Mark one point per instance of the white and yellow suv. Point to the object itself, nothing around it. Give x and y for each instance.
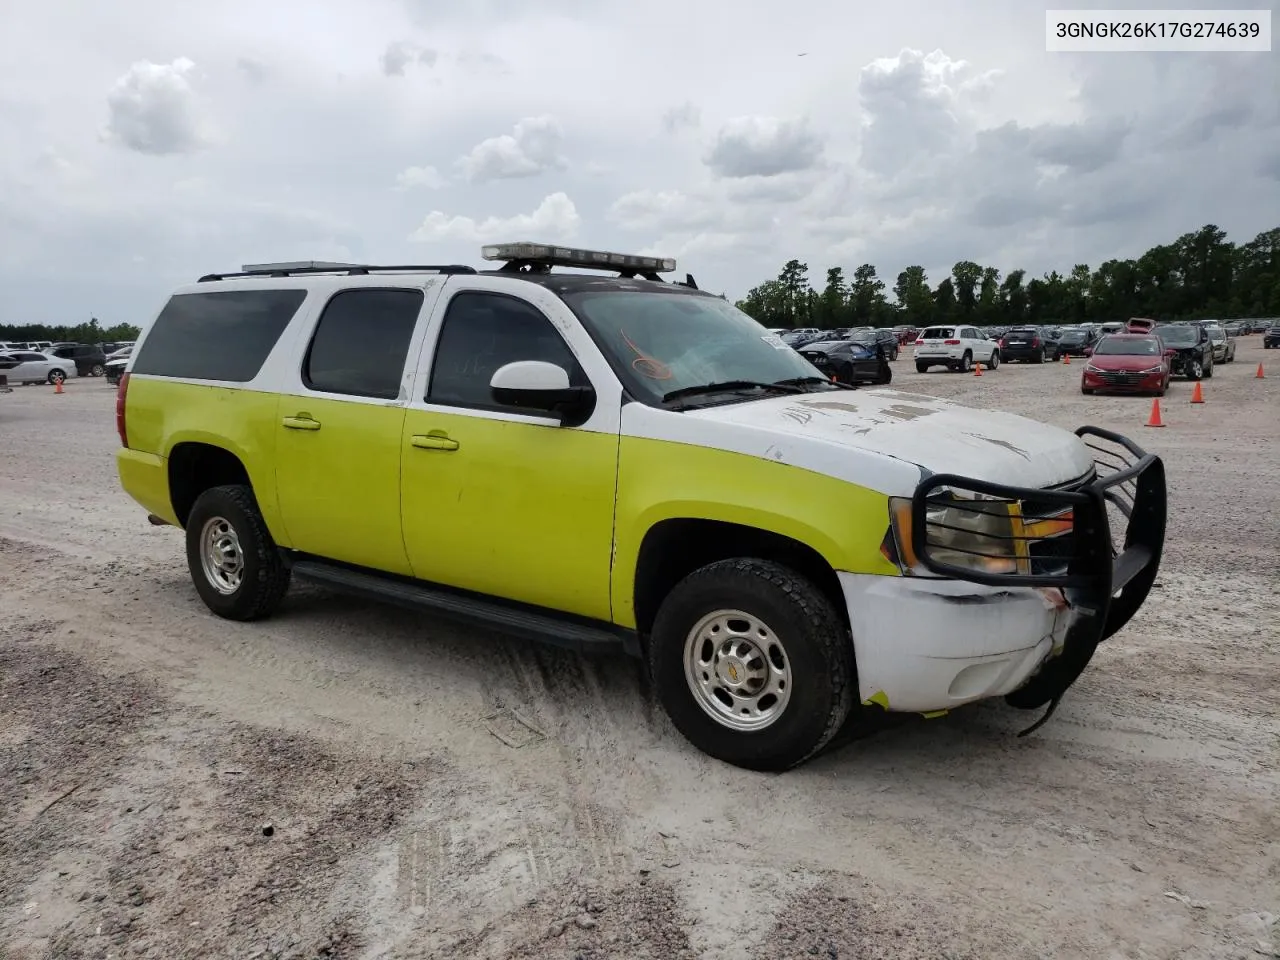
(601, 458)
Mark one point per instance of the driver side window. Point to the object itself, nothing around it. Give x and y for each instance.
(484, 331)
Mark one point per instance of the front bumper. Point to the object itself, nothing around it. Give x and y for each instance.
(930, 643)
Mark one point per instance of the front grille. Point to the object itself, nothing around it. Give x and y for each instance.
(1121, 378)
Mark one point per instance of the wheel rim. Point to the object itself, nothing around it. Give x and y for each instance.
(96, 371)
(221, 555)
(57, 376)
(737, 670)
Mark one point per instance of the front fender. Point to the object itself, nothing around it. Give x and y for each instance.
(662, 480)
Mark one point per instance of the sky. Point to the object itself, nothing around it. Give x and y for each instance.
(146, 142)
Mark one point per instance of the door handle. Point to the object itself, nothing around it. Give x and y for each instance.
(301, 422)
(437, 440)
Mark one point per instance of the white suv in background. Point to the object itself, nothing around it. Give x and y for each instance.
(958, 348)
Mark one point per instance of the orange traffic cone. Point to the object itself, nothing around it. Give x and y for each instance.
(1066, 359)
(57, 386)
(1197, 395)
(977, 370)
(1259, 375)
(1155, 420)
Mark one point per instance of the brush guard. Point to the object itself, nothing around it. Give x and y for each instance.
(1105, 564)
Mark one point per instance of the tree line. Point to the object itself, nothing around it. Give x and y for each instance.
(91, 332)
(1199, 275)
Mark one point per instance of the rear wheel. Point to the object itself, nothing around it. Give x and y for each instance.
(57, 376)
(234, 563)
(97, 370)
(922, 368)
(752, 663)
(966, 362)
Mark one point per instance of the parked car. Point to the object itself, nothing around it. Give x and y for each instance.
(1127, 363)
(1075, 341)
(89, 361)
(1110, 327)
(1027, 344)
(1224, 346)
(789, 557)
(887, 339)
(1139, 325)
(32, 367)
(1271, 336)
(849, 361)
(956, 348)
(1192, 349)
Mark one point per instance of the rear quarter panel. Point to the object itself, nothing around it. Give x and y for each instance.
(162, 413)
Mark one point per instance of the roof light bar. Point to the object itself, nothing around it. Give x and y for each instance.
(575, 257)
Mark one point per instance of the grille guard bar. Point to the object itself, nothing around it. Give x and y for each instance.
(1103, 586)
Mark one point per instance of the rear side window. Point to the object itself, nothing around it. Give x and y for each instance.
(361, 343)
(938, 333)
(217, 336)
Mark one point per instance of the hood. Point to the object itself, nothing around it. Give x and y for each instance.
(933, 434)
(1122, 361)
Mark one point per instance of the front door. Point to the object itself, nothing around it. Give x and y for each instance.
(338, 431)
(495, 500)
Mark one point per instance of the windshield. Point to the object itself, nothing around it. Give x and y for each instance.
(1146, 347)
(661, 342)
(1216, 333)
(1178, 336)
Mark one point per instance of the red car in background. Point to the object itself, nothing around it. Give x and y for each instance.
(1127, 363)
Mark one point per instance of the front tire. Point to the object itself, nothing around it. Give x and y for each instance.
(97, 370)
(56, 377)
(995, 360)
(234, 562)
(753, 664)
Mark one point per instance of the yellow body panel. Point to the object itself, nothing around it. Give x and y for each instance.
(661, 480)
(339, 486)
(160, 414)
(521, 511)
(145, 477)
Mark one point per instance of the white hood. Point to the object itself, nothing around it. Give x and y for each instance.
(817, 431)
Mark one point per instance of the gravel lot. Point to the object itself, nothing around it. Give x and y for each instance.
(347, 780)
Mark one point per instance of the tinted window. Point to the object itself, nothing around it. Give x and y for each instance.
(485, 331)
(361, 342)
(217, 336)
(937, 333)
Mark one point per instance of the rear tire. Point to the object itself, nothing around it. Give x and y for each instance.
(922, 368)
(97, 370)
(234, 563)
(780, 632)
(966, 362)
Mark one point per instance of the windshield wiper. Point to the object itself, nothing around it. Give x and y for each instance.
(728, 385)
(797, 381)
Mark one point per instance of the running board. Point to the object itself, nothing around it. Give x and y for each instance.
(528, 624)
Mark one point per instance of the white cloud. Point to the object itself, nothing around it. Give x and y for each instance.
(763, 147)
(428, 178)
(555, 220)
(152, 109)
(684, 117)
(532, 148)
(400, 54)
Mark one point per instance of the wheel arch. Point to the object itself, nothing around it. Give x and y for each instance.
(674, 547)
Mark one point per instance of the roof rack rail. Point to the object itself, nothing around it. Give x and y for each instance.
(310, 267)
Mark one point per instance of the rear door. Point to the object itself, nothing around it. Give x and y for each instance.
(340, 418)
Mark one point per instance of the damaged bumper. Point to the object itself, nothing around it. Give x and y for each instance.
(1021, 608)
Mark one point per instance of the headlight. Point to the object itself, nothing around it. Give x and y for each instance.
(1090, 368)
(1156, 369)
(974, 533)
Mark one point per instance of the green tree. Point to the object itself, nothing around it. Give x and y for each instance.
(944, 302)
(833, 306)
(866, 298)
(915, 299)
(965, 277)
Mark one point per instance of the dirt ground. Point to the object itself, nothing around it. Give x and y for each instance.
(350, 781)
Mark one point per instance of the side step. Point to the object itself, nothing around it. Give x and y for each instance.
(568, 632)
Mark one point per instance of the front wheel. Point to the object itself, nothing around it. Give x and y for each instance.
(97, 370)
(1208, 370)
(234, 562)
(57, 376)
(752, 663)
(995, 360)
(1194, 369)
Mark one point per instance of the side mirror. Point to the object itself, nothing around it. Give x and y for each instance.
(542, 387)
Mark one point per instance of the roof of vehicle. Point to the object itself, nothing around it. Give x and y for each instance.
(1131, 336)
